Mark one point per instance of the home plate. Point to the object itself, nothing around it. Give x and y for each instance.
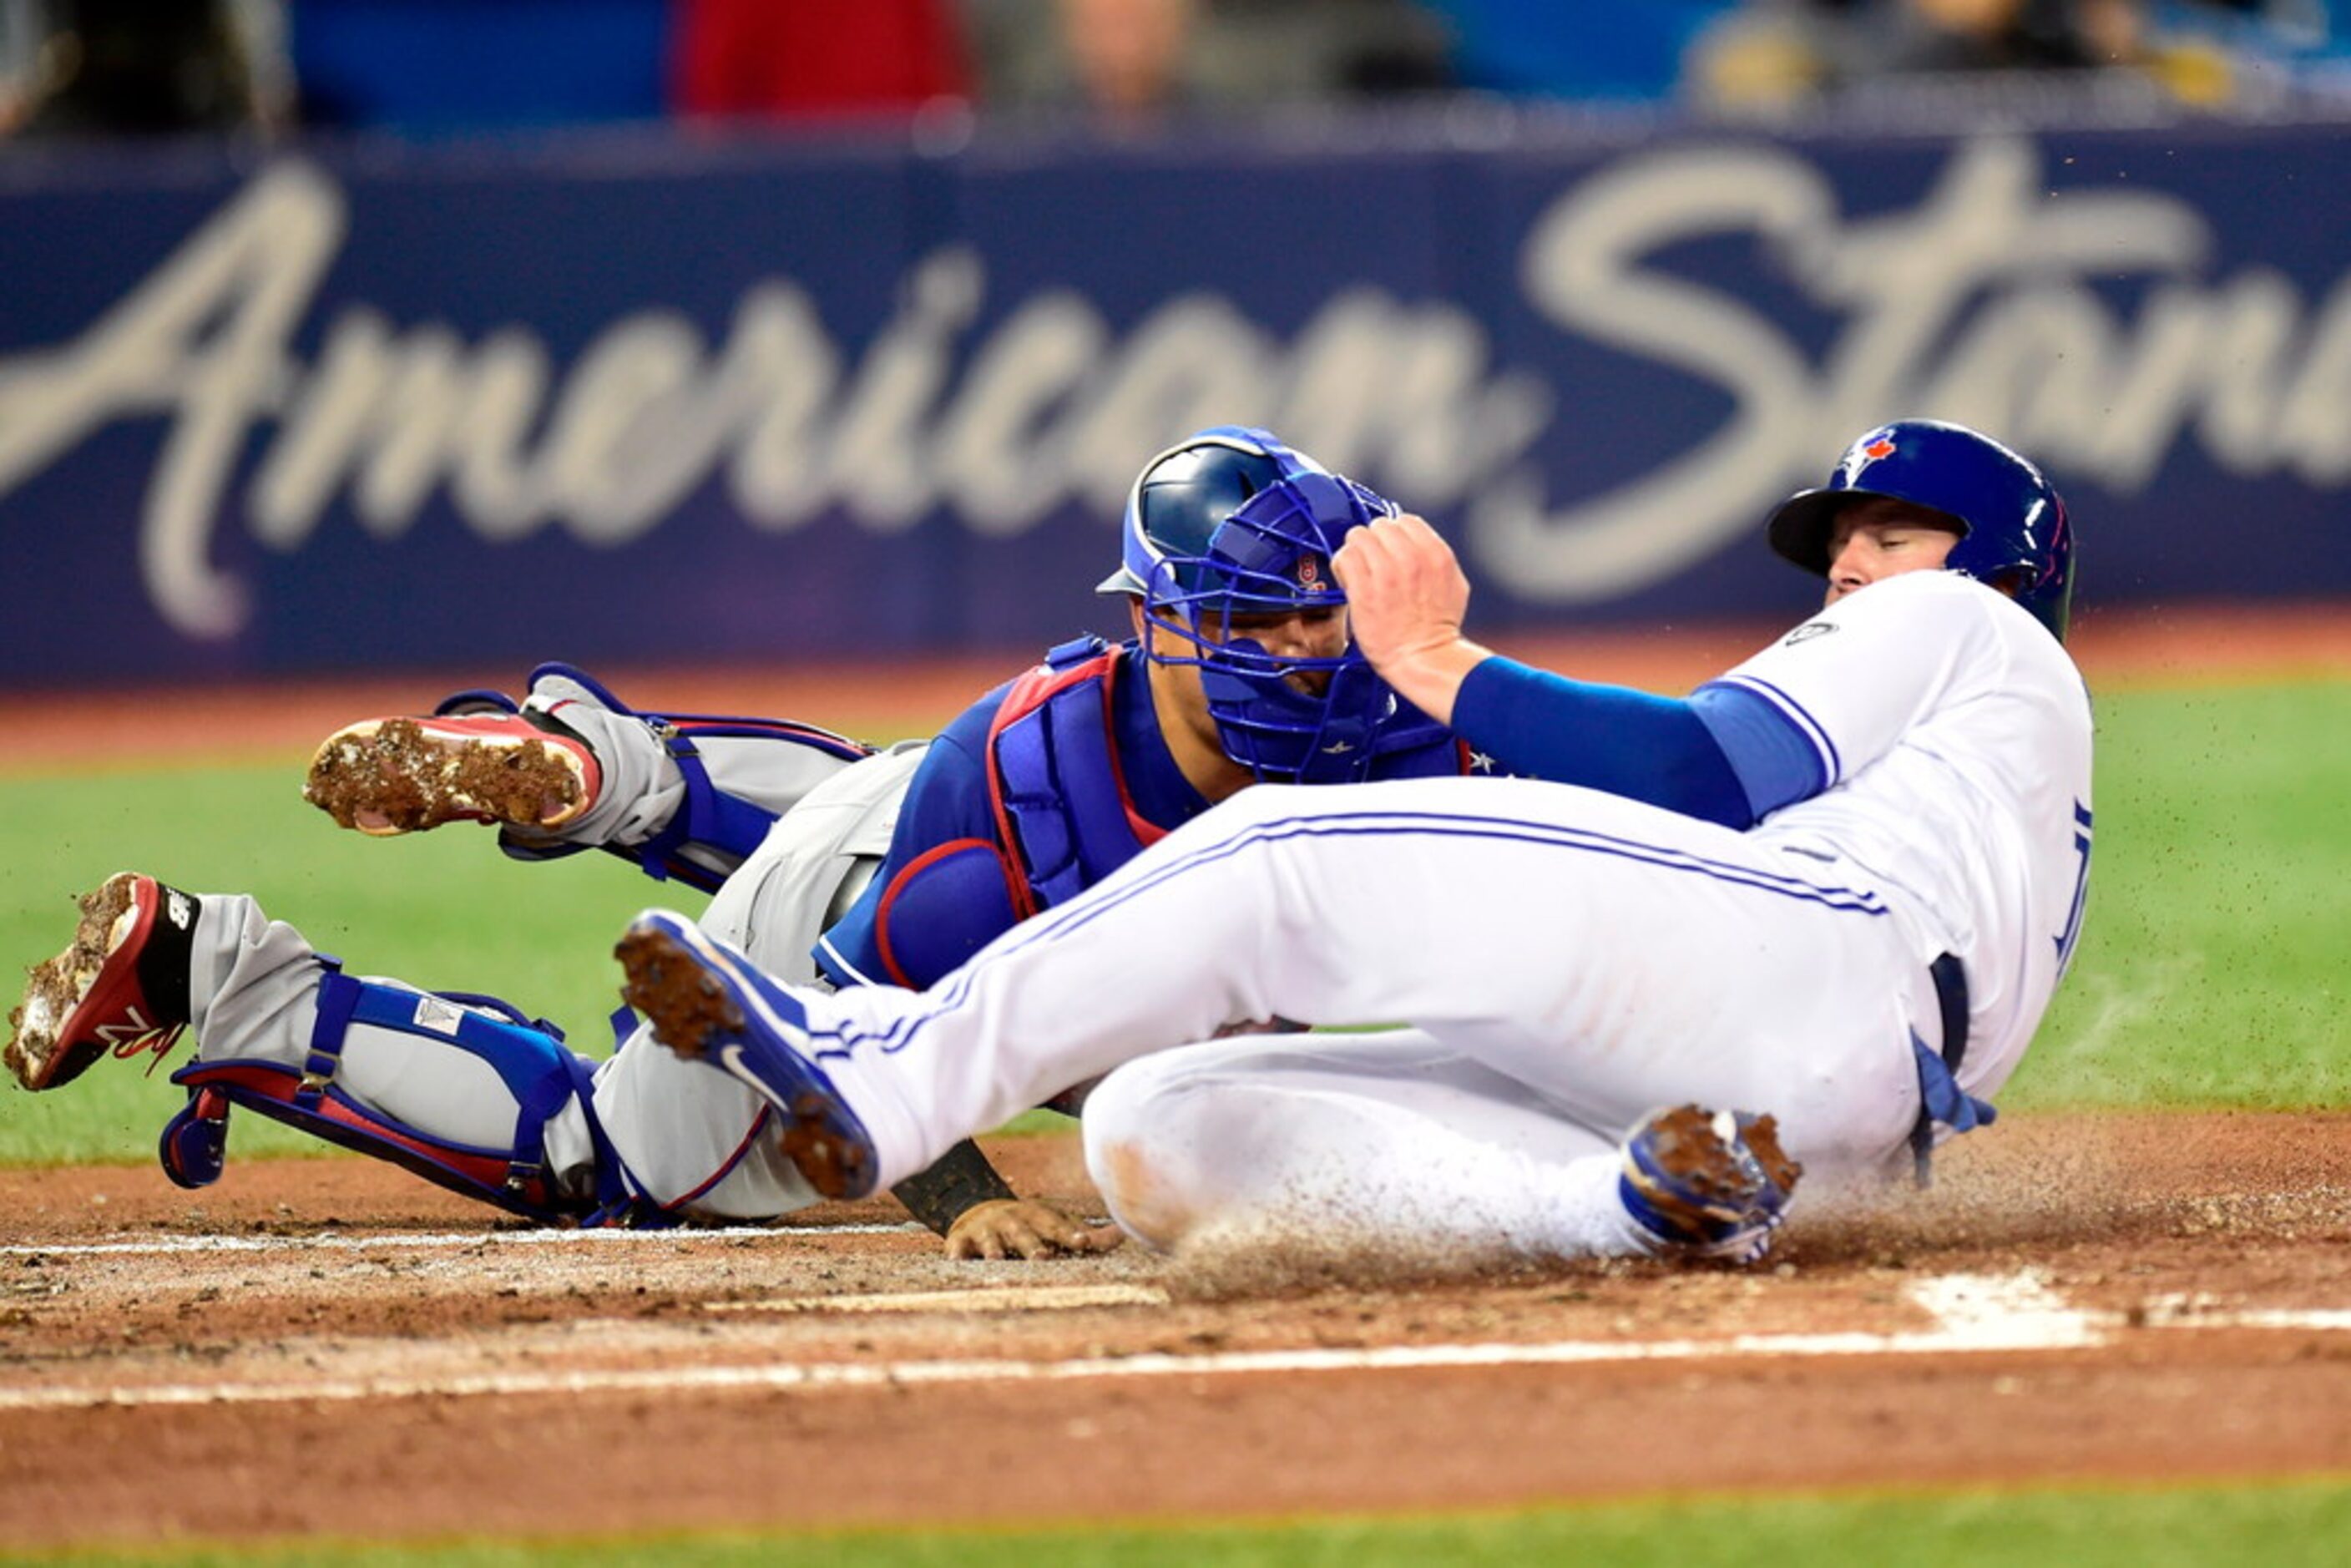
(1009, 1299)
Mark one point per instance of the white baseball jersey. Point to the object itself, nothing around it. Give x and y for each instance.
(1954, 736)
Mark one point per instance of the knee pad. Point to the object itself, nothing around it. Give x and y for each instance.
(528, 1055)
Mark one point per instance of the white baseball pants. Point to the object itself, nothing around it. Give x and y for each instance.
(1568, 961)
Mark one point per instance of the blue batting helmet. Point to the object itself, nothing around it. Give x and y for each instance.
(1230, 522)
(2011, 523)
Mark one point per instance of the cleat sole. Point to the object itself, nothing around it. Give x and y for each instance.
(392, 776)
(836, 1167)
(685, 1005)
(1763, 1137)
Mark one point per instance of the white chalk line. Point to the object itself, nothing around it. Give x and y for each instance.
(990, 1299)
(1973, 1313)
(2199, 1310)
(166, 1245)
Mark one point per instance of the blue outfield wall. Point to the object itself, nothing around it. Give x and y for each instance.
(644, 396)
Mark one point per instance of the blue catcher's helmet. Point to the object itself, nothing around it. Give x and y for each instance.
(1231, 522)
(2013, 526)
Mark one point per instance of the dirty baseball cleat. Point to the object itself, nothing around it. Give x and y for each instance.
(403, 775)
(707, 1000)
(1708, 1183)
(120, 989)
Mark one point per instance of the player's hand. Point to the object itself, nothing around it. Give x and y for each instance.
(1406, 594)
(1024, 1227)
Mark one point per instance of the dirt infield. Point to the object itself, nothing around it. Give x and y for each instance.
(330, 1346)
(327, 1346)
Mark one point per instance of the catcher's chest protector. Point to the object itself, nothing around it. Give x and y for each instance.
(1061, 806)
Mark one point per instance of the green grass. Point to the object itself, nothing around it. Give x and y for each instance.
(2287, 1524)
(2212, 972)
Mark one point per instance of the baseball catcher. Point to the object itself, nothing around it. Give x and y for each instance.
(835, 862)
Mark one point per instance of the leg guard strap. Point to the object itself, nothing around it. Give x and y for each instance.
(710, 820)
(476, 699)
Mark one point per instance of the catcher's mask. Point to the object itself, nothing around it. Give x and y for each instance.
(2012, 530)
(1230, 522)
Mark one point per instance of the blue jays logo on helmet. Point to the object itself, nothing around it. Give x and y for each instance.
(1232, 523)
(2013, 532)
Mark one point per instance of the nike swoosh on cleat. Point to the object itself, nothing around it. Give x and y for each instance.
(730, 1057)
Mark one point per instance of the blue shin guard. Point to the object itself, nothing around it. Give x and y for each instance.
(528, 1055)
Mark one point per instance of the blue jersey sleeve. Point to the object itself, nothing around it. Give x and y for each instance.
(1631, 743)
(1775, 760)
(941, 893)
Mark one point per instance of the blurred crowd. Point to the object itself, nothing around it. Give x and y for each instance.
(85, 67)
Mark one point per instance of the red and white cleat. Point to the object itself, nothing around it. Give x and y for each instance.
(120, 989)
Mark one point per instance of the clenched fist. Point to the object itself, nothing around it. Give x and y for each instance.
(1405, 597)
